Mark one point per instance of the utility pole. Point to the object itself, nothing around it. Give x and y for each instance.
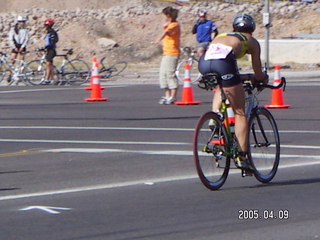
(267, 25)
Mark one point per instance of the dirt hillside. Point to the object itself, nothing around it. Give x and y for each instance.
(126, 29)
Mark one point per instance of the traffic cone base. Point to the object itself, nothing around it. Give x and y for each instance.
(277, 106)
(96, 94)
(96, 99)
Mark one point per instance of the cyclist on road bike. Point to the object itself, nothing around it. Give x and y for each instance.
(221, 57)
(51, 40)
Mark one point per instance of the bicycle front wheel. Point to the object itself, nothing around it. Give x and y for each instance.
(194, 72)
(76, 72)
(35, 72)
(210, 151)
(264, 144)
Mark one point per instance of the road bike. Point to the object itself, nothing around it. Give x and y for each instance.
(113, 70)
(189, 57)
(215, 143)
(14, 73)
(71, 71)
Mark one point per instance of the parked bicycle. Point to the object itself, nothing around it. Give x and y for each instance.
(189, 56)
(215, 143)
(113, 70)
(13, 73)
(71, 71)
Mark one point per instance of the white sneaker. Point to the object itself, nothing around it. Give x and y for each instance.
(162, 100)
(170, 100)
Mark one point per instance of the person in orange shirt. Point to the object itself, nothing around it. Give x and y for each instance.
(171, 52)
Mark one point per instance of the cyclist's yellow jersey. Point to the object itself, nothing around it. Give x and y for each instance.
(243, 39)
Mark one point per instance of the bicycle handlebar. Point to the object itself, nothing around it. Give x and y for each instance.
(69, 51)
(260, 85)
(211, 80)
(283, 83)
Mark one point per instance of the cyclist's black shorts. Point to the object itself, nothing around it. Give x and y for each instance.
(51, 53)
(14, 50)
(227, 68)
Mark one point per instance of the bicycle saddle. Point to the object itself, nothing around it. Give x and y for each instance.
(209, 81)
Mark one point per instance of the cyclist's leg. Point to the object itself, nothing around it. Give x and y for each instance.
(51, 53)
(216, 100)
(202, 47)
(236, 97)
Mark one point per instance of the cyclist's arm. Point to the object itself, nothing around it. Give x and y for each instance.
(214, 30)
(25, 38)
(254, 50)
(11, 36)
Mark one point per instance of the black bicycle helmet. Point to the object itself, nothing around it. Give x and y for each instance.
(244, 23)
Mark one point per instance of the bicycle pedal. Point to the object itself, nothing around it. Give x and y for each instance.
(246, 173)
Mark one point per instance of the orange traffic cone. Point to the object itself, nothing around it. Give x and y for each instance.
(187, 93)
(94, 62)
(277, 94)
(96, 94)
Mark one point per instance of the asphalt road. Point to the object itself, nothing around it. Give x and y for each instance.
(123, 169)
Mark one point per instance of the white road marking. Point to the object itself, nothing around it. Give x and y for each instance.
(48, 209)
(130, 183)
(91, 142)
(55, 89)
(314, 161)
(136, 129)
(151, 152)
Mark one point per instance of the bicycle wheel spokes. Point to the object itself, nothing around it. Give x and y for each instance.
(194, 72)
(264, 145)
(76, 72)
(117, 68)
(34, 72)
(210, 151)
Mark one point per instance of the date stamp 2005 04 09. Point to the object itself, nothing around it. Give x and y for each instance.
(254, 214)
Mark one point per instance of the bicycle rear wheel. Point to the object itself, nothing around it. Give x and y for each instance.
(76, 72)
(264, 144)
(194, 72)
(35, 72)
(114, 70)
(210, 151)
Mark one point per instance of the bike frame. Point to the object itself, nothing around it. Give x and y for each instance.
(232, 149)
(15, 70)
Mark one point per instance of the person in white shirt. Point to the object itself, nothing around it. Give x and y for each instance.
(18, 40)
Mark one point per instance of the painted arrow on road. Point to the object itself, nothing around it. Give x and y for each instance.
(48, 209)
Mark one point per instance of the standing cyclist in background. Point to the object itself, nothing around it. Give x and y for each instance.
(221, 57)
(18, 40)
(171, 53)
(204, 29)
(51, 40)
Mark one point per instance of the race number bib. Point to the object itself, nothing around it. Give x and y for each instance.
(217, 51)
